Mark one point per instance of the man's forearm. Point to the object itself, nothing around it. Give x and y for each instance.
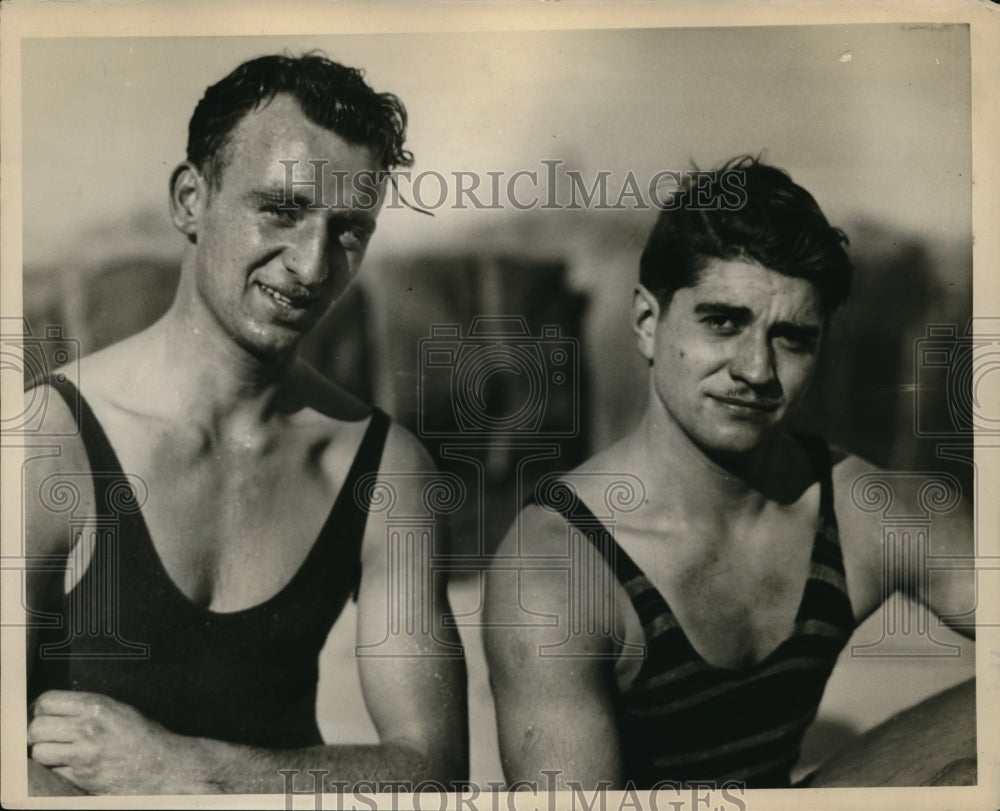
(236, 769)
(106, 747)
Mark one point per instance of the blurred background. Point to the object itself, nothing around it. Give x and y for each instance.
(873, 120)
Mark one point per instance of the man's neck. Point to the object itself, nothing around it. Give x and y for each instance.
(211, 378)
(685, 478)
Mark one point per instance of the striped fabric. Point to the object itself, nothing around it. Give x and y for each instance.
(684, 720)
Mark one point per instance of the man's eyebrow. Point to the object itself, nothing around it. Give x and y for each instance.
(733, 311)
(797, 331)
(279, 196)
(742, 315)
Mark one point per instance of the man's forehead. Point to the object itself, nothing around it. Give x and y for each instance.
(276, 150)
(279, 131)
(742, 283)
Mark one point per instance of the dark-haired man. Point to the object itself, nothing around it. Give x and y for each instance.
(187, 658)
(693, 643)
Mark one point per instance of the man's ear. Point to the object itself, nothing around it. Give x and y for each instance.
(188, 195)
(645, 315)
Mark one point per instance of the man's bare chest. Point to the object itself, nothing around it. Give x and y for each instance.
(229, 522)
(734, 591)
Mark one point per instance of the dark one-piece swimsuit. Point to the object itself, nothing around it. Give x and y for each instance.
(125, 630)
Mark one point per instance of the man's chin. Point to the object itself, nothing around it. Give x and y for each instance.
(273, 344)
(737, 441)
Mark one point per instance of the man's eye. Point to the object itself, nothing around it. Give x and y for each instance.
(355, 238)
(797, 345)
(722, 324)
(284, 215)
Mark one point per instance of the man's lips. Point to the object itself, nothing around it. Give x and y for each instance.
(751, 403)
(287, 298)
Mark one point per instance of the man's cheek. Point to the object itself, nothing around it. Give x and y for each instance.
(797, 385)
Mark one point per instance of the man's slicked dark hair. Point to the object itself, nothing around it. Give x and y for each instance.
(331, 95)
(778, 225)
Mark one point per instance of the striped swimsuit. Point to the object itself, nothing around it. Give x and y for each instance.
(683, 720)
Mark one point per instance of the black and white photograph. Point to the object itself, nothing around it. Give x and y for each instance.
(526, 405)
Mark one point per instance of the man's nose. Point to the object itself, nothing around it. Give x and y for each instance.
(315, 254)
(753, 361)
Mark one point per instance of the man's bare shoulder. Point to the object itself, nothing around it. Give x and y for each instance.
(868, 500)
(543, 530)
(326, 398)
(116, 372)
(866, 494)
(536, 532)
(612, 483)
(861, 493)
(847, 467)
(119, 377)
(405, 465)
(55, 415)
(56, 464)
(52, 416)
(404, 453)
(614, 459)
(407, 484)
(851, 476)
(343, 419)
(528, 578)
(870, 492)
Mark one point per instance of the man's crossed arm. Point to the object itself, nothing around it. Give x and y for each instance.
(414, 690)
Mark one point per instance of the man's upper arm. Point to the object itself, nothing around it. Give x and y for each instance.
(911, 506)
(553, 685)
(56, 453)
(411, 663)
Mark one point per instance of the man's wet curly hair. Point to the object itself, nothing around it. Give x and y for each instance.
(331, 95)
(778, 225)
